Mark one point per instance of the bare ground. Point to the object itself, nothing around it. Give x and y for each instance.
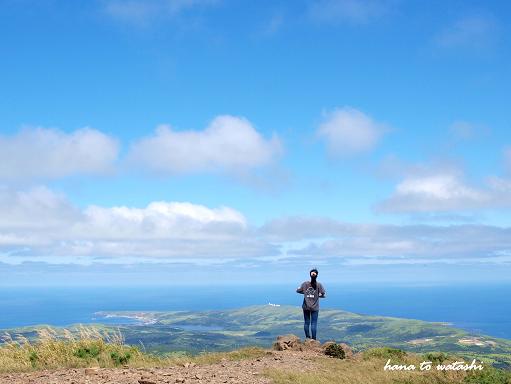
(246, 371)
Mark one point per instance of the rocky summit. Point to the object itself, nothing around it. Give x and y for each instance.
(289, 353)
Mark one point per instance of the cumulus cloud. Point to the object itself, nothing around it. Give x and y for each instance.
(229, 143)
(348, 131)
(348, 11)
(162, 220)
(433, 193)
(446, 191)
(31, 218)
(167, 230)
(38, 207)
(475, 31)
(41, 225)
(43, 153)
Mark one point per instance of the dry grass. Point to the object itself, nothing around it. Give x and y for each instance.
(91, 347)
(360, 372)
(368, 368)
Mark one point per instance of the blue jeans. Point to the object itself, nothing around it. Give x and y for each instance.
(310, 318)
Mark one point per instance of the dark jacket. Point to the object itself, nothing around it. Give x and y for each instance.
(310, 295)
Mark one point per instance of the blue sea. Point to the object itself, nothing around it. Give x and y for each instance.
(482, 309)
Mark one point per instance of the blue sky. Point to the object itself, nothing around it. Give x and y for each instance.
(244, 141)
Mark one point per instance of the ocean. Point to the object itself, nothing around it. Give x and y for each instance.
(482, 309)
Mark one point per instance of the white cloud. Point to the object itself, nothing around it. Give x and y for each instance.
(446, 191)
(475, 31)
(348, 131)
(229, 143)
(32, 218)
(39, 225)
(43, 153)
(324, 239)
(37, 208)
(436, 192)
(167, 230)
(161, 220)
(348, 11)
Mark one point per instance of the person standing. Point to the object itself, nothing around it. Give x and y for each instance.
(312, 290)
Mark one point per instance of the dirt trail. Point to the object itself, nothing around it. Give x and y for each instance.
(247, 371)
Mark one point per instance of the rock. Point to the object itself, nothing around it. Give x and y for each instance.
(285, 342)
(145, 381)
(312, 344)
(180, 380)
(91, 371)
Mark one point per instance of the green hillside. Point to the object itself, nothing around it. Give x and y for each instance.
(197, 331)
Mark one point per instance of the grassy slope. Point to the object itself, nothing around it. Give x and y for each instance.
(241, 327)
(93, 351)
(369, 371)
(259, 325)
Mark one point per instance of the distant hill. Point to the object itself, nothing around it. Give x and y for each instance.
(224, 330)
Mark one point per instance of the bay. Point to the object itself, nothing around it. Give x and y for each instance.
(478, 308)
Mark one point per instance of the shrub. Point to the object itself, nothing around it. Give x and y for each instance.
(32, 356)
(120, 358)
(88, 353)
(384, 353)
(488, 375)
(335, 350)
(436, 357)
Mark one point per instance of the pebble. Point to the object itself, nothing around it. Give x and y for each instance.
(91, 371)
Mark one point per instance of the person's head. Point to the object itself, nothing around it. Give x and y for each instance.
(313, 273)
